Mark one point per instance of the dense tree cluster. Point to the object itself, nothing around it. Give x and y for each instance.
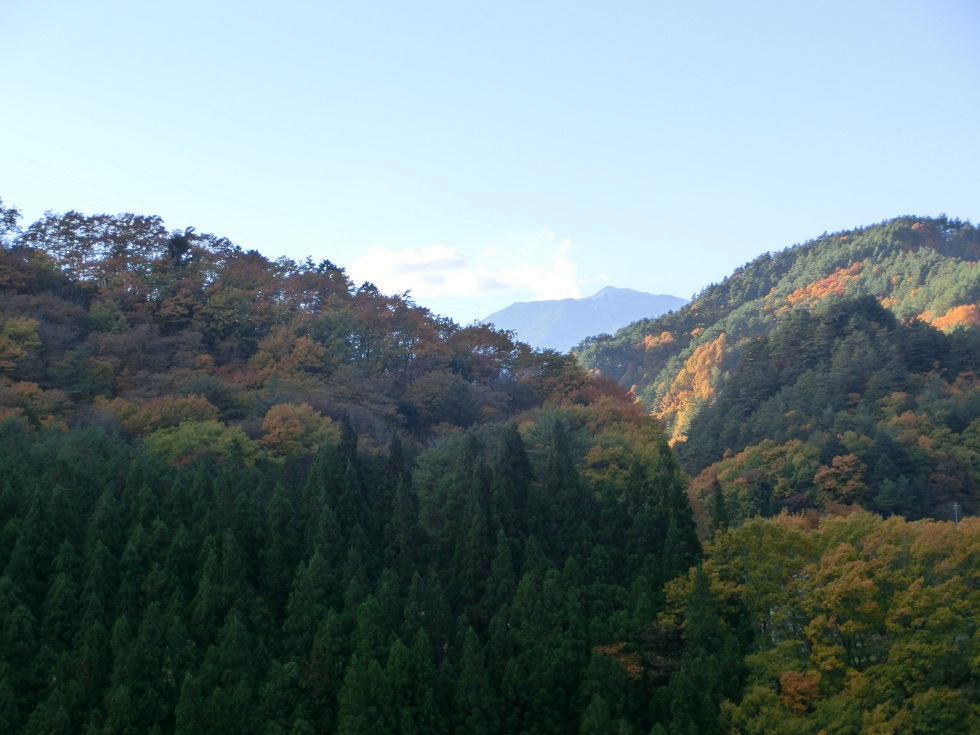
(241, 495)
(500, 581)
(852, 624)
(842, 371)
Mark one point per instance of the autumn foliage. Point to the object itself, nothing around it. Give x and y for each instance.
(692, 387)
(965, 315)
(835, 284)
(857, 619)
(154, 329)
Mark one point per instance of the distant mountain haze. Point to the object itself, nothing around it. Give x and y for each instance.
(560, 324)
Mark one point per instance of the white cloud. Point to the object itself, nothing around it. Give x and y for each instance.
(535, 267)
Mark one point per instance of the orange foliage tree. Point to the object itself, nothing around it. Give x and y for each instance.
(964, 315)
(836, 284)
(290, 430)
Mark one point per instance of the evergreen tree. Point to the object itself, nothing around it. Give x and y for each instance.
(719, 507)
(710, 669)
(476, 706)
(364, 701)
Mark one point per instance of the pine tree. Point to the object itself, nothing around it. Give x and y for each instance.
(476, 706)
(364, 700)
(719, 508)
(280, 550)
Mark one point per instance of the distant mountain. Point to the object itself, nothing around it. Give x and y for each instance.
(561, 324)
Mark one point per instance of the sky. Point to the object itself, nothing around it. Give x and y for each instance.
(477, 154)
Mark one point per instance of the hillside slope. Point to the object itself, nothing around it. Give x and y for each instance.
(845, 405)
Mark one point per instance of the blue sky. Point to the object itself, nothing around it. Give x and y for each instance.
(480, 154)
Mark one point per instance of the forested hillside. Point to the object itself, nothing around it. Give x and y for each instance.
(246, 496)
(174, 336)
(840, 371)
(917, 268)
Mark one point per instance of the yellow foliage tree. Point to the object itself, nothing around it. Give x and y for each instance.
(836, 284)
(291, 429)
(843, 481)
(692, 387)
(885, 630)
(18, 338)
(194, 440)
